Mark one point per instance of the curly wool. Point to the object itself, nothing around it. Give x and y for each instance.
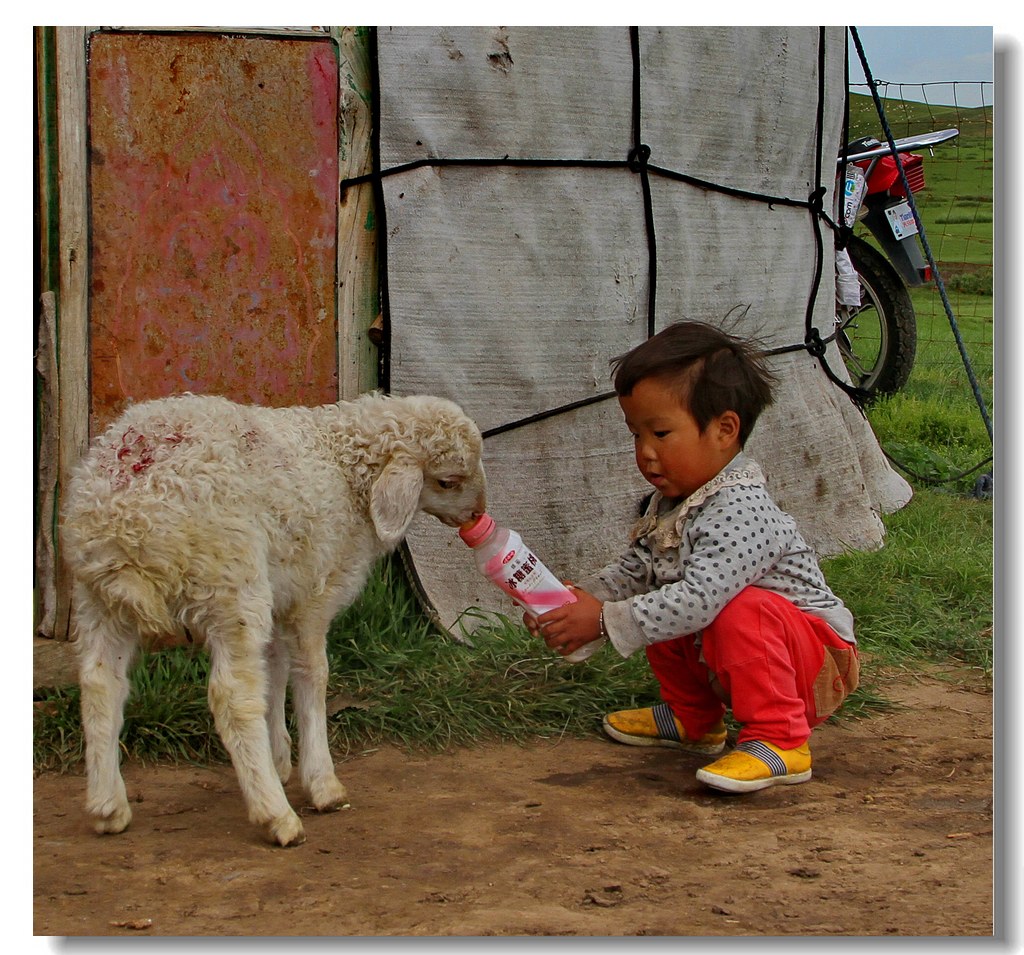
(247, 528)
(181, 489)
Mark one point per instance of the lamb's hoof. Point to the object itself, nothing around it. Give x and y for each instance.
(286, 831)
(112, 822)
(328, 795)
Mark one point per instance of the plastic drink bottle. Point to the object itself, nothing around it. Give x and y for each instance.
(506, 561)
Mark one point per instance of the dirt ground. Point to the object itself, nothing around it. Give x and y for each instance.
(891, 837)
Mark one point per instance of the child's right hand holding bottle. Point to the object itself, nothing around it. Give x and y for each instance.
(575, 630)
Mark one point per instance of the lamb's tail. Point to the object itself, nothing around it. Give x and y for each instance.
(135, 601)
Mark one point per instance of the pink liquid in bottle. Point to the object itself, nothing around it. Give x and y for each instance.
(506, 561)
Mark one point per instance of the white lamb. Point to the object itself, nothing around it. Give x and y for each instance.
(248, 529)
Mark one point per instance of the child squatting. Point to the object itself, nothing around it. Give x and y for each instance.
(717, 584)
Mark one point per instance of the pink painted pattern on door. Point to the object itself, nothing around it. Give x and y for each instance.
(213, 198)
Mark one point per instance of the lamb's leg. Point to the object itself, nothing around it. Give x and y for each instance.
(278, 661)
(238, 699)
(309, 696)
(104, 658)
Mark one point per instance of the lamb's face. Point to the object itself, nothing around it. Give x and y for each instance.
(454, 491)
(434, 465)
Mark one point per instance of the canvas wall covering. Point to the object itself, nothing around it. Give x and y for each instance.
(553, 196)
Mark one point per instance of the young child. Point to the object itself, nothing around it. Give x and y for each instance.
(717, 586)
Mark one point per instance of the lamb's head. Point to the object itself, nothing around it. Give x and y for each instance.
(433, 464)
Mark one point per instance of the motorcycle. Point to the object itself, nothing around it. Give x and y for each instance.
(876, 328)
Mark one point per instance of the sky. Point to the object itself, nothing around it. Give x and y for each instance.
(954, 57)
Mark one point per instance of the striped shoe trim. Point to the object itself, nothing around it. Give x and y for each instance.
(665, 721)
(767, 756)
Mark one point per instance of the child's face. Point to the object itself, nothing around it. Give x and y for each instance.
(671, 452)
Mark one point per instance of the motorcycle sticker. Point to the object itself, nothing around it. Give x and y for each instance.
(901, 220)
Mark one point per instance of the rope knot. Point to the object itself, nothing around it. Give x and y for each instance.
(814, 344)
(638, 157)
(816, 200)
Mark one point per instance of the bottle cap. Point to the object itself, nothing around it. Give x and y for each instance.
(474, 532)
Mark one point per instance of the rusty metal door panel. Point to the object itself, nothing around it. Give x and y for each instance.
(213, 170)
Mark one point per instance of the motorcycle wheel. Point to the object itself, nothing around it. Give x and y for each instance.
(878, 341)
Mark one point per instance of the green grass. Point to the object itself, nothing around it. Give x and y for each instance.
(934, 426)
(939, 443)
(927, 595)
(425, 687)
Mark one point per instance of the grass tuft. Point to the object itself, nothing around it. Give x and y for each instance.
(409, 682)
(928, 594)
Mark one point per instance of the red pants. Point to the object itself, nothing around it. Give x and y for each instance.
(783, 671)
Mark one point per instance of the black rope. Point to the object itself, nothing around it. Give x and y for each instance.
(381, 218)
(638, 162)
(638, 157)
(440, 161)
(728, 190)
(820, 116)
(934, 482)
(844, 231)
(815, 345)
(550, 413)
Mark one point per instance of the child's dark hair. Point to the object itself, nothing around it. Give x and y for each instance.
(709, 370)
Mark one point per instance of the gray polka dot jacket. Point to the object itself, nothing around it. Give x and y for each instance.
(688, 560)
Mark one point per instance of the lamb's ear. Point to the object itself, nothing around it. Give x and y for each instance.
(394, 499)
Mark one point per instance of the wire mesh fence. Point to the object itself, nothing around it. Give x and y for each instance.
(956, 209)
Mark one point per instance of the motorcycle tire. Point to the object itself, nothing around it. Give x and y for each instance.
(878, 341)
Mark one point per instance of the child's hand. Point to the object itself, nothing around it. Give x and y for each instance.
(568, 628)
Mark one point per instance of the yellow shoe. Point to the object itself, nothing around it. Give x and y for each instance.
(756, 765)
(658, 726)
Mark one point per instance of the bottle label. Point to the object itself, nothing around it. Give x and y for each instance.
(528, 582)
